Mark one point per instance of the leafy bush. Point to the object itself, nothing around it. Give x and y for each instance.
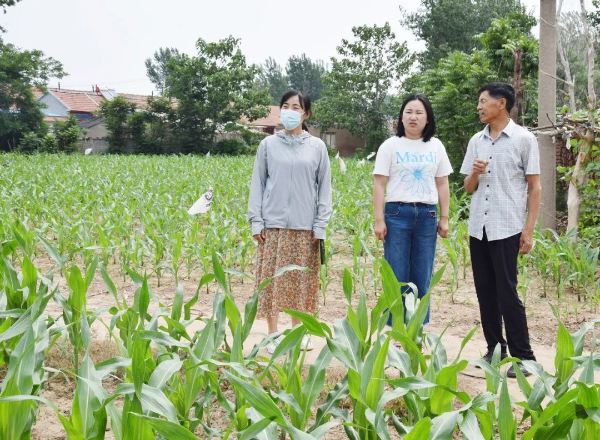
(30, 143)
(232, 147)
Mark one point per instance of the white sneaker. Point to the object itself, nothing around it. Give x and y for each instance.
(306, 344)
(272, 346)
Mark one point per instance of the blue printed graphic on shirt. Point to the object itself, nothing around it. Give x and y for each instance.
(417, 172)
(417, 179)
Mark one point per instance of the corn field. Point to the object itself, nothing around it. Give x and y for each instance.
(66, 221)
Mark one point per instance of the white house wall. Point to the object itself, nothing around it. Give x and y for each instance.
(53, 106)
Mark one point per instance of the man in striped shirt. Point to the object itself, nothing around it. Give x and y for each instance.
(503, 173)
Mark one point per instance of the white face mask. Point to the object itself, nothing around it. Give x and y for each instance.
(290, 118)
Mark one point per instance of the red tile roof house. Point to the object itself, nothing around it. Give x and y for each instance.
(61, 103)
(340, 140)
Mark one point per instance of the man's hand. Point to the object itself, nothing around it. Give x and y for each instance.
(260, 237)
(480, 166)
(443, 227)
(526, 241)
(380, 229)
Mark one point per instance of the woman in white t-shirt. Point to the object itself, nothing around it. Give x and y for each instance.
(412, 170)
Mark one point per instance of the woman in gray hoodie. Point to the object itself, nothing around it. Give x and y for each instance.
(289, 208)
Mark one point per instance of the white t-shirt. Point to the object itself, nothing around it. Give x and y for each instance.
(412, 166)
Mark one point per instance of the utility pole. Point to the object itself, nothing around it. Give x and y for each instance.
(547, 111)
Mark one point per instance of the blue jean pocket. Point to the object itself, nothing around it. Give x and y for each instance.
(392, 209)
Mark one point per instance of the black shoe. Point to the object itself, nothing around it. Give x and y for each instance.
(512, 373)
(488, 357)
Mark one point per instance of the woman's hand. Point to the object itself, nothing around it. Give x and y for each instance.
(260, 237)
(442, 228)
(380, 229)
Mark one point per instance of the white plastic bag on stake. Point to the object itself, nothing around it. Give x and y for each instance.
(341, 162)
(202, 205)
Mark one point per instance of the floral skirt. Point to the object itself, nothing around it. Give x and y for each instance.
(295, 290)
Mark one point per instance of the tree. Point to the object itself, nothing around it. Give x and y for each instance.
(513, 52)
(450, 25)
(573, 56)
(116, 115)
(157, 68)
(452, 85)
(66, 134)
(6, 3)
(272, 78)
(20, 113)
(151, 129)
(580, 176)
(213, 89)
(360, 81)
(306, 75)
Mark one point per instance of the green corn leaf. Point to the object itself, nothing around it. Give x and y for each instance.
(312, 386)
(163, 372)
(153, 400)
(561, 425)
(441, 400)
(254, 430)
(564, 352)
(470, 427)
(335, 396)
(85, 403)
(442, 427)
(422, 430)
(177, 303)
(167, 429)
(550, 412)
(311, 323)
(375, 363)
(219, 273)
(138, 364)
(507, 426)
(257, 398)
(347, 285)
(160, 338)
(249, 315)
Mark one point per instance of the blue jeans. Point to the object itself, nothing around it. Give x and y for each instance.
(409, 245)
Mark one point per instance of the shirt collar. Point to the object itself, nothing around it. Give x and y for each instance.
(508, 130)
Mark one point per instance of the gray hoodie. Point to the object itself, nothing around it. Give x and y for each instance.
(291, 184)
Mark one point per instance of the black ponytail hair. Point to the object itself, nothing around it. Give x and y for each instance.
(304, 103)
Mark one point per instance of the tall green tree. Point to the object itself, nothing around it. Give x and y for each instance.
(152, 129)
(66, 134)
(116, 115)
(20, 113)
(513, 52)
(452, 85)
(214, 88)
(157, 68)
(362, 77)
(449, 25)
(306, 75)
(271, 77)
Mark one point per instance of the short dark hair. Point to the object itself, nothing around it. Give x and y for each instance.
(429, 129)
(304, 102)
(498, 90)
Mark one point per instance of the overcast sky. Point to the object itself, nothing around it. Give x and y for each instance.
(106, 42)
